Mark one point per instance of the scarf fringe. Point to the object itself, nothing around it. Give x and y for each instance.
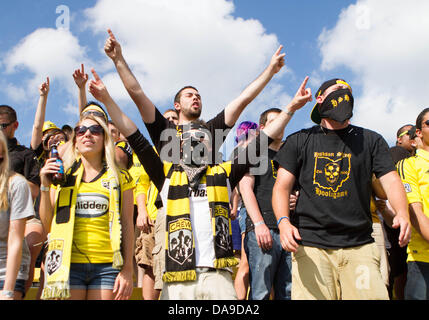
(118, 261)
(57, 290)
(225, 262)
(179, 276)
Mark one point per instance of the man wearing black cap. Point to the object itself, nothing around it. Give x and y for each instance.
(332, 165)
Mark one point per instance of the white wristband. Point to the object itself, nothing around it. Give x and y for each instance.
(44, 189)
(259, 223)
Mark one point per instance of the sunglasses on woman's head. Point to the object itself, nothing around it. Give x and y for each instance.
(95, 130)
(94, 113)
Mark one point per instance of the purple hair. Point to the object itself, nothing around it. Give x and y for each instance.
(243, 130)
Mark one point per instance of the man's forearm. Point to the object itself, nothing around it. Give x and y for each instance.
(82, 100)
(236, 107)
(419, 220)
(395, 192)
(143, 103)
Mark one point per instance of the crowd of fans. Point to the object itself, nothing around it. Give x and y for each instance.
(331, 212)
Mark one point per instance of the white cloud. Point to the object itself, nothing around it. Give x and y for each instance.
(384, 43)
(45, 52)
(170, 44)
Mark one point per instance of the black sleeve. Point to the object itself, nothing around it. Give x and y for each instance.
(155, 129)
(288, 155)
(218, 128)
(249, 157)
(31, 167)
(126, 148)
(148, 158)
(381, 157)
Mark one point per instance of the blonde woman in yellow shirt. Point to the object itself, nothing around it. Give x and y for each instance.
(89, 218)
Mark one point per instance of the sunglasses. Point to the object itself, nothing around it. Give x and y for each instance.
(197, 135)
(95, 130)
(94, 113)
(5, 125)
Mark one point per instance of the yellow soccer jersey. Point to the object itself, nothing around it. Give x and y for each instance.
(136, 171)
(91, 238)
(373, 208)
(414, 172)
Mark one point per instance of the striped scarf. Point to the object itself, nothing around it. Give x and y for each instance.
(180, 247)
(58, 256)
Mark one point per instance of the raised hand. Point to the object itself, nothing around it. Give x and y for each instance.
(80, 77)
(44, 88)
(112, 47)
(302, 96)
(97, 87)
(278, 60)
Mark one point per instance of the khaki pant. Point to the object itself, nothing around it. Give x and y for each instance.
(378, 235)
(158, 252)
(214, 285)
(335, 274)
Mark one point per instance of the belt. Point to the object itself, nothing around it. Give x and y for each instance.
(205, 269)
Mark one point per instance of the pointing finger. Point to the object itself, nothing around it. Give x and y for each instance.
(111, 34)
(278, 50)
(96, 77)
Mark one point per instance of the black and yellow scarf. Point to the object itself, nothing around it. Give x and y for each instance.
(180, 246)
(58, 256)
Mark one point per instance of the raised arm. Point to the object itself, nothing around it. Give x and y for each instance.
(236, 107)
(145, 106)
(39, 118)
(124, 124)
(145, 152)
(80, 78)
(302, 96)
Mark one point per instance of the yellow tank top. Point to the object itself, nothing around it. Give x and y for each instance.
(91, 237)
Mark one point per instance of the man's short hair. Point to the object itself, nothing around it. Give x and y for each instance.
(179, 93)
(420, 117)
(171, 110)
(264, 115)
(402, 129)
(67, 128)
(11, 113)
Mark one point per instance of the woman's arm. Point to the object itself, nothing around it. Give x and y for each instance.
(14, 253)
(47, 198)
(124, 281)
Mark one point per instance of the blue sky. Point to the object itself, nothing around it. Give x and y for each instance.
(322, 39)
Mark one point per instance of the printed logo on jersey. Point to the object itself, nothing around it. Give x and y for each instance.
(54, 256)
(331, 170)
(222, 227)
(180, 247)
(407, 187)
(200, 193)
(105, 184)
(91, 205)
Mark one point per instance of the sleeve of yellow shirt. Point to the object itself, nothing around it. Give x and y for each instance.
(142, 184)
(409, 176)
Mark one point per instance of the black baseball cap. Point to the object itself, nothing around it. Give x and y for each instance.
(315, 115)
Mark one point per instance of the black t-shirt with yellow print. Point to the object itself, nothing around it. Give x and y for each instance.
(333, 171)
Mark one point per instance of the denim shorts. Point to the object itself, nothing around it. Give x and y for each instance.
(19, 285)
(92, 276)
(242, 219)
